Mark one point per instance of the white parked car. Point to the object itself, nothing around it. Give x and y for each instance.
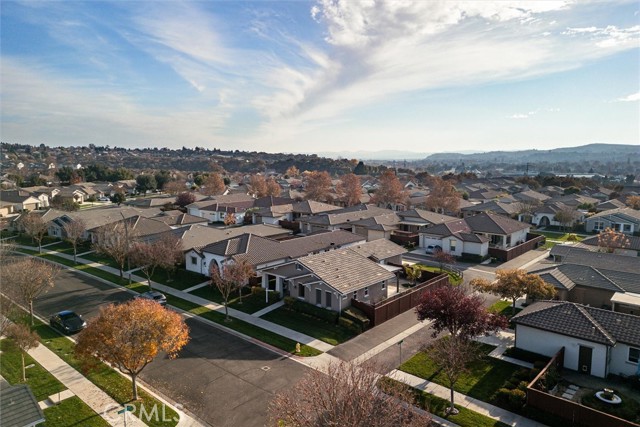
(432, 249)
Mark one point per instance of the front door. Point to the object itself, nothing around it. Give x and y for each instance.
(318, 297)
(584, 360)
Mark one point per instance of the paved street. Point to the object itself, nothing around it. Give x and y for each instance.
(220, 378)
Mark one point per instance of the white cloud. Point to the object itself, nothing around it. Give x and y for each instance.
(608, 37)
(519, 116)
(630, 98)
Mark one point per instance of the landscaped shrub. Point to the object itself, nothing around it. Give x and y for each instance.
(349, 324)
(502, 396)
(472, 258)
(303, 307)
(523, 386)
(358, 317)
(533, 373)
(517, 399)
(572, 237)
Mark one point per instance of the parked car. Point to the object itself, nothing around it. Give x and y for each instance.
(432, 249)
(67, 322)
(156, 296)
(103, 199)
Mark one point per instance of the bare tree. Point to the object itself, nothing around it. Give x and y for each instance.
(566, 217)
(633, 202)
(444, 258)
(175, 187)
(185, 198)
(443, 196)
(212, 185)
(153, 255)
(35, 227)
(390, 190)
(74, 234)
(346, 395)
(114, 241)
(233, 276)
(7, 249)
(26, 279)
(350, 189)
(317, 186)
(25, 340)
(8, 310)
(452, 355)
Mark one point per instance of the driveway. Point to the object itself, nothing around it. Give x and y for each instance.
(220, 378)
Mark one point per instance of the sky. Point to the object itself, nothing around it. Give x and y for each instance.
(321, 76)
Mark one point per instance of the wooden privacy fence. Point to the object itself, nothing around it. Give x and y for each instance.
(533, 241)
(574, 413)
(389, 308)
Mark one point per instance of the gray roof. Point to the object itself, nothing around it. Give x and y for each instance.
(494, 224)
(600, 260)
(626, 214)
(493, 206)
(347, 215)
(19, 407)
(199, 236)
(345, 270)
(379, 249)
(570, 275)
(421, 215)
(587, 323)
(458, 228)
(311, 207)
(633, 242)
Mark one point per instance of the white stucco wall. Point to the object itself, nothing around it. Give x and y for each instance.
(619, 362)
(519, 236)
(481, 249)
(549, 343)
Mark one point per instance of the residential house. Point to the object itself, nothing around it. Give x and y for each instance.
(599, 279)
(19, 407)
(596, 342)
(475, 234)
(341, 219)
(609, 205)
(20, 199)
(216, 208)
(531, 197)
(263, 252)
(630, 245)
(330, 279)
(546, 215)
(624, 220)
(505, 209)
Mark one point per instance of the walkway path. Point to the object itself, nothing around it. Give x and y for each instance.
(503, 340)
(464, 400)
(95, 398)
(246, 317)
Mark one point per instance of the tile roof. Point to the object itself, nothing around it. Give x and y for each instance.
(345, 270)
(588, 323)
(379, 249)
(19, 407)
(346, 215)
(622, 213)
(633, 242)
(493, 206)
(428, 216)
(494, 224)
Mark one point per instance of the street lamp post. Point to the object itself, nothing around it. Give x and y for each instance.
(400, 347)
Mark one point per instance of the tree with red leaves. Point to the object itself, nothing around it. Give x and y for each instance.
(461, 314)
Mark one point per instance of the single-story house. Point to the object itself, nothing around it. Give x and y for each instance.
(545, 215)
(624, 220)
(19, 407)
(596, 342)
(330, 279)
(341, 219)
(505, 209)
(21, 200)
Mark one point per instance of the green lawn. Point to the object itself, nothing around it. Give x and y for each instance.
(250, 302)
(72, 412)
(437, 406)
(66, 247)
(560, 236)
(454, 278)
(102, 259)
(504, 308)
(263, 335)
(629, 409)
(484, 378)
(180, 279)
(309, 325)
(41, 382)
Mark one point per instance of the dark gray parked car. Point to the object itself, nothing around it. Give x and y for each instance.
(154, 296)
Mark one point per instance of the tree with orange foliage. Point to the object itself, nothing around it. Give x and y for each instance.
(443, 196)
(514, 284)
(258, 185)
(130, 335)
(230, 219)
(317, 186)
(633, 202)
(213, 185)
(273, 188)
(609, 240)
(350, 189)
(390, 190)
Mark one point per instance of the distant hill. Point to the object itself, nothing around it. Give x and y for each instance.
(586, 153)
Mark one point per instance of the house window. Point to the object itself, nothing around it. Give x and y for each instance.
(355, 294)
(634, 354)
(298, 267)
(626, 228)
(300, 291)
(598, 225)
(194, 260)
(384, 285)
(366, 292)
(452, 245)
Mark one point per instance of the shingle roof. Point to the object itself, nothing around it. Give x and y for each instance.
(494, 207)
(347, 215)
(633, 242)
(345, 270)
(19, 407)
(588, 323)
(428, 216)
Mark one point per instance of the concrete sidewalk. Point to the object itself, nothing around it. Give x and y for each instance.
(90, 394)
(464, 400)
(246, 317)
